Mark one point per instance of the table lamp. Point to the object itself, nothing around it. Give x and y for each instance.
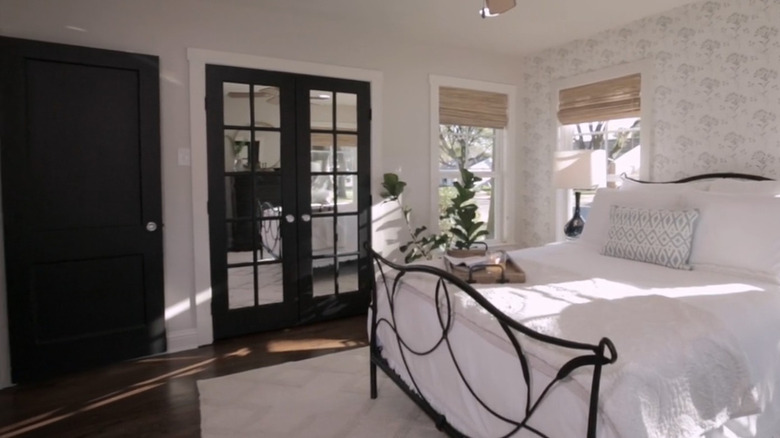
(579, 170)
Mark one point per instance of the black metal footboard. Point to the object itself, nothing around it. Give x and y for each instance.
(446, 284)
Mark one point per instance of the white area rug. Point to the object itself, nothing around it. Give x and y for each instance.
(324, 397)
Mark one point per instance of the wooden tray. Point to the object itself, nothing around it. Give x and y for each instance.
(462, 253)
(484, 274)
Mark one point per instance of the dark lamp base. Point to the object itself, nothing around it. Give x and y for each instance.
(574, 227)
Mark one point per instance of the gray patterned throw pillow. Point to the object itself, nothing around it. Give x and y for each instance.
(662, 237)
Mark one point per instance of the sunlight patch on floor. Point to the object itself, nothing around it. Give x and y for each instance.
(280, 346)
(40, 421)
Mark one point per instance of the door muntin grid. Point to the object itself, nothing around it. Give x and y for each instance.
(253, 194)
(251, 235)
(334, 192)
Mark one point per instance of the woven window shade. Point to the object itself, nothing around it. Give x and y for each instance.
(612, 99)
(323, 139)
(458, 106)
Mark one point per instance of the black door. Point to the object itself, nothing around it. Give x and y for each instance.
(79, 137)
(289, 201)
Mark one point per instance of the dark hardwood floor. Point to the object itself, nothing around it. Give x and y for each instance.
(157, 396)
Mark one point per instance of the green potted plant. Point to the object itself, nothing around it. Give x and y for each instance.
(466, 229)
(421, 245)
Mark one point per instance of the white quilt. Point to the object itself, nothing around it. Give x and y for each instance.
(679, 372)
(692, 346)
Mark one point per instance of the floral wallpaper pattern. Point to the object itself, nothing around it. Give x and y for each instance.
(716, 96)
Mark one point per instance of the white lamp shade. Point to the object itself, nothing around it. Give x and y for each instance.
(499, 6)
(580, 169)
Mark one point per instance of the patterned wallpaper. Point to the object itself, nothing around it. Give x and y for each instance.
(716, 95)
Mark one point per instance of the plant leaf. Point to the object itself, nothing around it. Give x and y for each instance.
(393, 186)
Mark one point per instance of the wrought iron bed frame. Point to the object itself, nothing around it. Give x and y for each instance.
(603, 353)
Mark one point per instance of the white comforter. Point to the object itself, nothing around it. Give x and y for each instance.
(696, 349)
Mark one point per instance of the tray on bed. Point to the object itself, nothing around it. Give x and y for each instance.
(507, 272)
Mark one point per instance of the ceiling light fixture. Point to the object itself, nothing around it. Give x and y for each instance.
(493, 8)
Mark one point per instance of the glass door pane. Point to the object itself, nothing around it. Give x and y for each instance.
(252, 169)
(324, 277)
(321, 109)
(348, 274)
(334, 134)
(346, 111)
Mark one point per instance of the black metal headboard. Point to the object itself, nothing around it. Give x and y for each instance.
(728, 175)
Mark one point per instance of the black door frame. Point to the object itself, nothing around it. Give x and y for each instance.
(299, 308)
(279, 314)
(313, 309)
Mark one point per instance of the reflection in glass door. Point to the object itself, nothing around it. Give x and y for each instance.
(253, 194)
(288, 197)
(334, 192)
(251, 150)
(334, 134)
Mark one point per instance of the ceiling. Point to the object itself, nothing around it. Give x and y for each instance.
(531, 26)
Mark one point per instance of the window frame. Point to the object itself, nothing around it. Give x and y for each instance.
(568, 133)
(503, 157)
(563, 200)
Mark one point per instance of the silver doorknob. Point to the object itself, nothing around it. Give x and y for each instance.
(305, 217)
(151, 226)
(289, 218)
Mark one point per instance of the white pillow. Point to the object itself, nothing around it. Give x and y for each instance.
(597, 224)
(723, 185)
(661, 237)
(737, 234)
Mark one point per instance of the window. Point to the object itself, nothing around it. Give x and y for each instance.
(619, 137)
(604, 115)
(472, 130)
(472, 148)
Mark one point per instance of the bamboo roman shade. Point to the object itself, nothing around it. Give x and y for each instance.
(459, 106)
(326, 140)
(612, 99)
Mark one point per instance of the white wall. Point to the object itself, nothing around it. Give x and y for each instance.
(714, 69)
(167, 28)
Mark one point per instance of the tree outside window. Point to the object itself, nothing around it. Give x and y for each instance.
(472, 148)
(473, 125)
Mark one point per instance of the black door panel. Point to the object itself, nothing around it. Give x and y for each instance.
(79, 137)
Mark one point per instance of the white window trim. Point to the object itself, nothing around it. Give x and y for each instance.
(505, 157)
(563, 201)
(198, 58)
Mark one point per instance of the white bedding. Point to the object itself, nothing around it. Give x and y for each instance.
(695, 348)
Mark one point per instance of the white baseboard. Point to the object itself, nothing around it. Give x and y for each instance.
(181, 340)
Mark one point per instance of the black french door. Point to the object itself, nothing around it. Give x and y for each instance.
(289, 200)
